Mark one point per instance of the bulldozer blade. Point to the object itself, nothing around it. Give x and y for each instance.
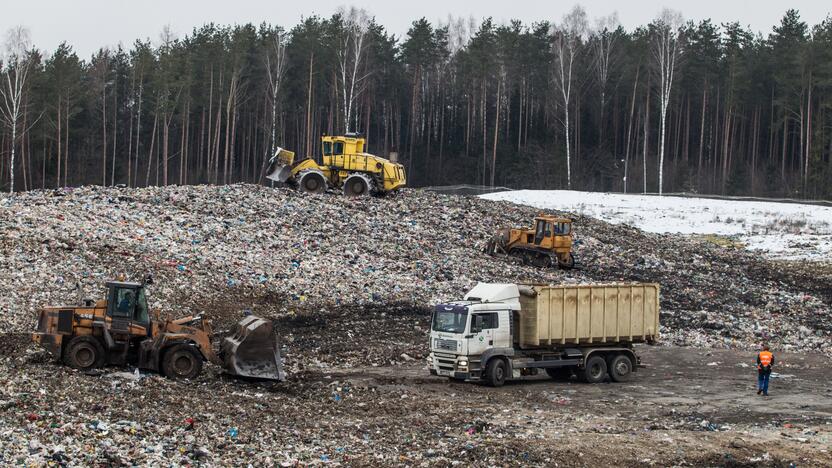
(253, 350)
(280, 166)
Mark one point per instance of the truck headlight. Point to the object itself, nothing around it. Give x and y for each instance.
(429, 359)
(463, 363)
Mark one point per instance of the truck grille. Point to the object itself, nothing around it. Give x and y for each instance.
(450, 345)
(445, 361)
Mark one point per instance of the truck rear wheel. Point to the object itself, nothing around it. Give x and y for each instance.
(595, 370)
(496, 372)
(620, 368)
(182, 362)
(84, 352)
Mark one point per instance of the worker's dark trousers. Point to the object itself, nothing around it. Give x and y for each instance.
(762, 381)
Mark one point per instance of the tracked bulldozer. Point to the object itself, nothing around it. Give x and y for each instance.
(345, 166)
(547, 244)
(120, 330)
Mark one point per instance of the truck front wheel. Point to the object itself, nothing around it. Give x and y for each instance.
(594, 370)
(496, 372)
(621, 368)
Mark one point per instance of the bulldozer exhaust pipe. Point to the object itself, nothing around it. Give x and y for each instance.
(253, 350)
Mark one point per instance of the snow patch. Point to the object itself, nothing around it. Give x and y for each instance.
(788, 231)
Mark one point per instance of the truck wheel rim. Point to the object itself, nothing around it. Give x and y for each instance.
(595, 370)
(622, 368)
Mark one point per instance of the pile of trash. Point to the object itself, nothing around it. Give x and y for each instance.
(292, 256)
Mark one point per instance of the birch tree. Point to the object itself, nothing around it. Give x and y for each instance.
(17, 61)
(276, 64)
(666, 50)
(351, 53)
(605, 36)
(566, 46)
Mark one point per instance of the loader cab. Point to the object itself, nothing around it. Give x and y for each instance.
(127, 305)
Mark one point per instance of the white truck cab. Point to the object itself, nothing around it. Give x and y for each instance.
(463, 331)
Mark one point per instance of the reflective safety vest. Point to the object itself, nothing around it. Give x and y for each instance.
(765, 358)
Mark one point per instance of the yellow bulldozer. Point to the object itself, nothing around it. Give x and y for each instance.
(345, 166)
(120, 330)
(548, 243)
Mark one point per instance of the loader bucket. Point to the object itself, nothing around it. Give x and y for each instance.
(280, 166)
(253, 350)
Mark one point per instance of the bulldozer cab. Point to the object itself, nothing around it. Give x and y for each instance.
(546, 227)
(127, 306)
(548, 230)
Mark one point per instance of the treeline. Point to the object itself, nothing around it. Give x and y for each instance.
(674, 106)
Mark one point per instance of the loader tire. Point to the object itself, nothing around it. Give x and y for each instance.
(84, 352)
(181, 361)
(312, 182)
(595, 370)
(358, 185)
(496, 372)
(620, 368)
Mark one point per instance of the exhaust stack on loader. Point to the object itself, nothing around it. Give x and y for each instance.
(118, 330)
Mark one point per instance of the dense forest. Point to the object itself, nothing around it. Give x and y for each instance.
(577, 102)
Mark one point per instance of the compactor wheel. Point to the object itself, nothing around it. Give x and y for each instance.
(358, 185)
(312, 182)
(84, 352)
(182, 361)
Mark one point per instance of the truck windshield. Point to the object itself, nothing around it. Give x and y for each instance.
(450, 319)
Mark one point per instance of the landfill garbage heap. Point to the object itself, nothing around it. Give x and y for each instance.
(282, 253)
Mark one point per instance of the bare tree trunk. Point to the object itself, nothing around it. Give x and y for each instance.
(646, 138)
(630, 126)
(150, 153)
(59, 141)
(115, 131)
(104, 133)
(496, 132)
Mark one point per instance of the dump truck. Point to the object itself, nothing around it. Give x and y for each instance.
(547, 244)
(510, 331)
(120, 330)
(345, 166)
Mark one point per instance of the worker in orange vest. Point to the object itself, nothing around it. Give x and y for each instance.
(765, 359)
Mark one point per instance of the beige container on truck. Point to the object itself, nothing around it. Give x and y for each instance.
(553, 315)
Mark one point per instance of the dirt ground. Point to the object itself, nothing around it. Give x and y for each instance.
(689, 407)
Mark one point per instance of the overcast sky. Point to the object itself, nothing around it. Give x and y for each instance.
(90, 24)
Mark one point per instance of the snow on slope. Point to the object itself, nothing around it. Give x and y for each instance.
(782, 230)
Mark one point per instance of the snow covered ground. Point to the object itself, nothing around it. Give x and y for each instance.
(782, 230)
